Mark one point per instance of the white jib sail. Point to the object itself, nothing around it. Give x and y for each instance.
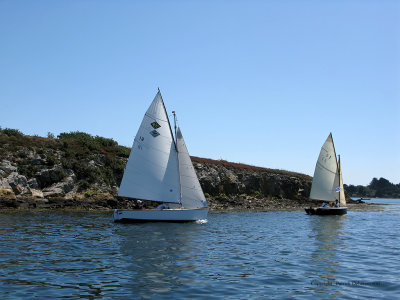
(192, 194)
(326, 177)
(152, 169)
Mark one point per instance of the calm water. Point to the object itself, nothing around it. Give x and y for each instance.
(234, 255)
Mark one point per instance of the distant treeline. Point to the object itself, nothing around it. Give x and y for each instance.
(381, 188)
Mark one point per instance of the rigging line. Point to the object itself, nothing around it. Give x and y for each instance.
(323, 167)
(155, 118)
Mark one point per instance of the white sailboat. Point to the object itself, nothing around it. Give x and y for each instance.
(327, 184)
(159, 169)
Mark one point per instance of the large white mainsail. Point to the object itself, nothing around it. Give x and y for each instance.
(152, 169)
(327, 183)
(191, 192)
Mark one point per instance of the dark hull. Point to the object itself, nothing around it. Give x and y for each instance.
(326, 211)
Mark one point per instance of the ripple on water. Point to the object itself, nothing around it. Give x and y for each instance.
(232, 255)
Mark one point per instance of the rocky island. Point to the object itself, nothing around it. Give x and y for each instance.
(80, 171)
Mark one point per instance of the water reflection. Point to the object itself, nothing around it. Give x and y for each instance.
(325, 260)
(159, 257)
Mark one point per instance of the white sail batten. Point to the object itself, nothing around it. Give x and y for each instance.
(326, 181)
(191, 191)
(152, 169)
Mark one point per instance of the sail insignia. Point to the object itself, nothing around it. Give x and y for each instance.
(155, 125)
(154, 133)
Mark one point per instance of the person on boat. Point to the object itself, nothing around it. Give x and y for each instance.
(337, 203)
(162, 206)
(324, 204)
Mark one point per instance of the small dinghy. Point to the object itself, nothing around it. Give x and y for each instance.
(327, 184)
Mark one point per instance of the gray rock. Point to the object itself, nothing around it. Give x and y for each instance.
(4, 184)
(47, 177)
(219, 179)
(6, 166)
(18, 183)
(61, 188)
(53, 191)
(36, 193)
(33, 184)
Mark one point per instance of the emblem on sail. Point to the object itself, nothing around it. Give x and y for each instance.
(154, 133)
(155, 125)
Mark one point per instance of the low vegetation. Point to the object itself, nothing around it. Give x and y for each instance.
(101, 161)
(92, 158)
(228, 164)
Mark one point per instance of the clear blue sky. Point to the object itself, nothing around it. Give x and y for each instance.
(256, 82)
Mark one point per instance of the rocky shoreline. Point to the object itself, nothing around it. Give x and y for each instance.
(79, 171)
(107, 202)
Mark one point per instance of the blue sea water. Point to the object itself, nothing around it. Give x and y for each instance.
(247, 255)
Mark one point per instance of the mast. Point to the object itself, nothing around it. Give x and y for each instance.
(340, 185)
(337, 164)
(169, 124)
(176, 146)
(177, 155)
(334, 150)
(173, 112)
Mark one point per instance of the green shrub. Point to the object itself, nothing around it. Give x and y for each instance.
(51, 159)
(122, 151)
(105, 142)
(257, 194)
(90, 193)
(28, 171)
(12, 132)
(84, 185)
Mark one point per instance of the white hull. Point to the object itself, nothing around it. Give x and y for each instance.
(164, 215)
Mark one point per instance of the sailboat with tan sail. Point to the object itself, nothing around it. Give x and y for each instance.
(327, 184)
